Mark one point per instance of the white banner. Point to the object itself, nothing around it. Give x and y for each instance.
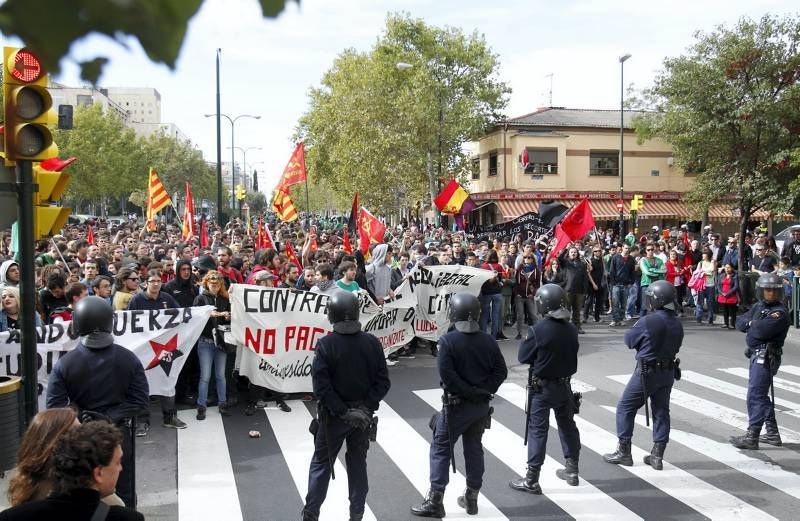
(279, 328)
(428, 290)
(161, 339)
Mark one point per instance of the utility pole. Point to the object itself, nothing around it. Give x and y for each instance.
(219, 151)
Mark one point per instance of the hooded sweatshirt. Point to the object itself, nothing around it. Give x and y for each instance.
(183, 291)
(4, 274)
(379, 275)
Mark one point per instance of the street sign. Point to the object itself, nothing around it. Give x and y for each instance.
(620, 205)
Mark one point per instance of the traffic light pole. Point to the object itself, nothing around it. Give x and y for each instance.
(29, 365)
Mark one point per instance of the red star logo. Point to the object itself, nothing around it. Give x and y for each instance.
(165, 354)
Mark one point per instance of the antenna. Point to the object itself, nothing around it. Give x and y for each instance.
(550, 104)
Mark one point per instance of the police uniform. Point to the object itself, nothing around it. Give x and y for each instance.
(657, 338)
(102, 377)
(766, 325)
(471, 369)
(350, 379)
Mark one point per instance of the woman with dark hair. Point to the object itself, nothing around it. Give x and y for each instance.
(708, 268)
(33, 478)
(209, 350)
(491, 297)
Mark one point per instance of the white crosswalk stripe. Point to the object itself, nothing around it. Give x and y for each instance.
(737, 391)
(584, 502)
(777, 381)
(680, 484)
(791, 369)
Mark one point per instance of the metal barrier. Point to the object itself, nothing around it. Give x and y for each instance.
(11, 421)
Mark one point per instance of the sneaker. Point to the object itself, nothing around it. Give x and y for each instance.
(613, 323)
(142, 430)
(391, 363)
(283, 406)
(201, 412)
(173, 422)
(628, 317)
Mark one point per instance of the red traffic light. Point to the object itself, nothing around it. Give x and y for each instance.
(26, 67)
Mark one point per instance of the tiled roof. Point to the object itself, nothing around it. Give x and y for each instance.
(556, 117)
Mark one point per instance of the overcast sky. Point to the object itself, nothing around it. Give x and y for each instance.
(268, 66)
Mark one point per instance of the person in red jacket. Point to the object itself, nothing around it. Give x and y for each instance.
(677, 275)
(728, 295)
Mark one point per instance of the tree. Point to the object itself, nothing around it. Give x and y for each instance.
(50, 28)
(391, 133)
(730, 108)
(257, 202)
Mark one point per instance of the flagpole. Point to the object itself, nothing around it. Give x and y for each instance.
(177, 216)
(308, 205)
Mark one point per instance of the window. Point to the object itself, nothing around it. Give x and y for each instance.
(476, 168)
(542, 161)
(85, 100)
(605, 163)
(492, 163)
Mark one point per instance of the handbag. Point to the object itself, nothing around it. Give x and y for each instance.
(698, 280)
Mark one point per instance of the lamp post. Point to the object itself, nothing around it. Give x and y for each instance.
(232, 121)
(622, 60)
(244, 159)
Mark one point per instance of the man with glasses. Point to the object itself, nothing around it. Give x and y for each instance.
(762, 263)
(791, 248)
(653, 269)
(154, 298)
(101, 287)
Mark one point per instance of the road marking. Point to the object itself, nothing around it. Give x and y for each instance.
(683, 486)
(409, 451)
(206, 485)
(584, 502)
(297, 447)
(764, 471)
(736, 419)
(737, 391)
(791, 369)
(579, 386)
(779, 383)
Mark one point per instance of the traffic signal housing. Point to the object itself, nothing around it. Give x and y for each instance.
(241, 193)
(637, 203)
(48, 219)
(28, 108)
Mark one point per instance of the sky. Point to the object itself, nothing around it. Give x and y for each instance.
(268, 65)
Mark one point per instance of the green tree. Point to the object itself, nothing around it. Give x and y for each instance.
(730, 108)
(391, 122)
(257, 202)
(50, 28)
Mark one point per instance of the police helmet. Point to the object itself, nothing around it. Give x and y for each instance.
(551, 301)
(93, 319)
(464, 312)
(769, 281)
(343, 312)
(660, 295)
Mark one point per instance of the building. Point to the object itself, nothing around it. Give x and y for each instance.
(86, 97)
(142, 103)
(573, 154)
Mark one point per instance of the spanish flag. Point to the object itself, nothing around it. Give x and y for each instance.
(282, 205)
(452, 199)
(157, 198)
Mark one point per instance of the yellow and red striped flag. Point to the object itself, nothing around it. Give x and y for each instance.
(282, 205)
(157, 198)
(188, 215)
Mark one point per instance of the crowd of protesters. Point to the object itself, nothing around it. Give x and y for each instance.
(603, 275)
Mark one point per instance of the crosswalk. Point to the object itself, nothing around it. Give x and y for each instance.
(704, 477)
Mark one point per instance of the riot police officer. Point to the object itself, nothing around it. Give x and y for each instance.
(471, 369)
(551, 349)
(350, 379)
(101, 377)
(766, 325)
(657, 338)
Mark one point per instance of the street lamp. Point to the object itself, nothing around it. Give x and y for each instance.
(232, 121)
(622, 60)
(244, 158)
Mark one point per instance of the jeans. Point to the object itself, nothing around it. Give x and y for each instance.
(491, 304)
(706, 295)
(522, 304)
(209, 355)
(619, 298)
(642, 301)
(633, 296)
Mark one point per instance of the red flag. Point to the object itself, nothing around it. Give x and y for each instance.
(90, 236)
(203, 234)
(295, 171)
(266, 239)
(579, 221)
(562, 239)
(370, 230)
(312, 247)
(292, 256)
(346, 241)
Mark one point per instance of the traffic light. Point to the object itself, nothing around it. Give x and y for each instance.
(52, 181)
(241, 193)
(637, 203)
(28, 108)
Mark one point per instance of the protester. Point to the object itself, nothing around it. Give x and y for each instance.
(9, 311)
(211, 350)
(728, 296)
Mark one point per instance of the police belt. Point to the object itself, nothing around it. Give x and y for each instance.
(451, 400)
(559, 380)
(662, 364)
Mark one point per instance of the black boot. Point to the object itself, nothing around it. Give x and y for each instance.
(530, 483)
(772, 436)
(432, 506)
(469, 501)
(748, 442)
(570, 472)
(622, 456)
(356, 517)
(656, 457)
(308, 516)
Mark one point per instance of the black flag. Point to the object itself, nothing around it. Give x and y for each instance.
(255, 181)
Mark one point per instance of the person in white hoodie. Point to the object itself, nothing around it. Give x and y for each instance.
(9, 274)
(379, 274)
